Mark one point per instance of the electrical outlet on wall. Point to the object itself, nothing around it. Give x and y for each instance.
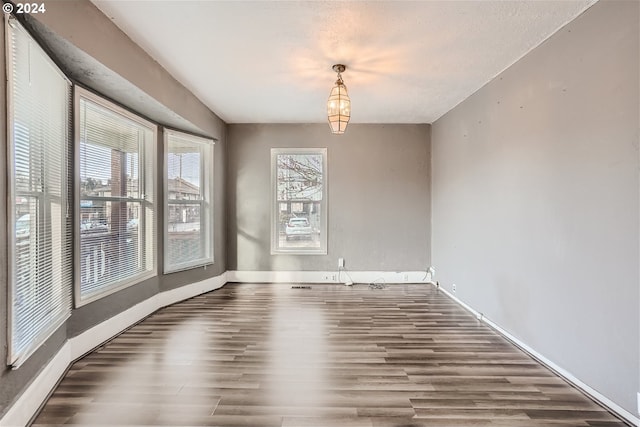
(340, 262)
(453, 287)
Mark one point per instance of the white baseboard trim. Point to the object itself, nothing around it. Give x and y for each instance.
(594, 394)
(327, 276)
(29, 402)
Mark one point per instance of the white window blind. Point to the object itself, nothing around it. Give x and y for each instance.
(189, 195)
(40, 242)
(116, 214)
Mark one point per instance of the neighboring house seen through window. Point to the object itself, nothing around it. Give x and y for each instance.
(299, 195)
(82, 207)
(117, 208)
(189, 195)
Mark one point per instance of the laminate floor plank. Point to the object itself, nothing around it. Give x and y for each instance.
(268, 355)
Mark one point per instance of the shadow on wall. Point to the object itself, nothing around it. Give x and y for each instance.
(255, 254)
(249, 250)
(253, 222)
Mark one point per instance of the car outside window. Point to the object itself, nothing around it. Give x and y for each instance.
(299, 198)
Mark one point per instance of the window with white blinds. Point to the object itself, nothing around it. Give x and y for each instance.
(40, 243)
(299, 201)
(116, 213)
(189, 195)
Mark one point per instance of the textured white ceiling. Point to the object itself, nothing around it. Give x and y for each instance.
(270, 61)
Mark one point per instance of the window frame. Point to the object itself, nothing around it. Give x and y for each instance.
(207, 183)
(275, 204)
(16, 360)
(80, 92)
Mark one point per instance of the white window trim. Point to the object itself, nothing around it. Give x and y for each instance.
(322, 250)
(83, 93)
(206, 170)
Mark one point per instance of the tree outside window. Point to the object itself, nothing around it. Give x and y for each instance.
(299, 186)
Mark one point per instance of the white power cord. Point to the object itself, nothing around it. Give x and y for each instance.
(349, 281)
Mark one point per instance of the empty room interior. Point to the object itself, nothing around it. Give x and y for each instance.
(320, 213)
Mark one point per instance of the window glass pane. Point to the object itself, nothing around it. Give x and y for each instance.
(300, 218)
(183, 170)
(185, 235)
(40, 247)
(116, 209)
(189, 222)
(108, 172)
(111, 247)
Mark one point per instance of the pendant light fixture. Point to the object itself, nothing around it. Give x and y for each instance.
(339, 104)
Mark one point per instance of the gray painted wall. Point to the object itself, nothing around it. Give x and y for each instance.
(105, 59)
(535, 199)
(378, 196)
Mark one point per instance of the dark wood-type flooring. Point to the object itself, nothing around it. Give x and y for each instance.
(269, 355)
